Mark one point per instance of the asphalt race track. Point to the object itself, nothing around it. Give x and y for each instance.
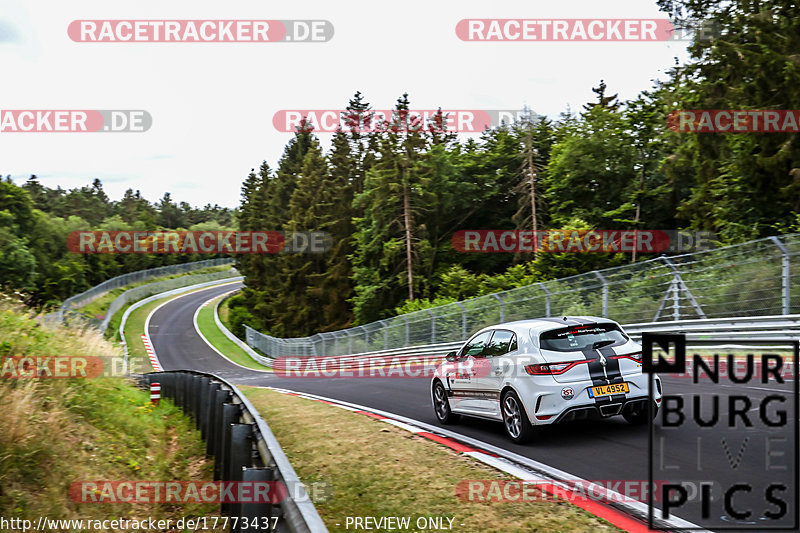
(596, 450)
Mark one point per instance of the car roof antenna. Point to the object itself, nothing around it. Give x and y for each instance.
(565, 319)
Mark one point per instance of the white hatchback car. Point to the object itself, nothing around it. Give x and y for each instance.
(544, 371)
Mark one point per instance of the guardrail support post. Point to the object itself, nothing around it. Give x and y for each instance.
(605, 292)
(207, 404)
(181, 379)
(167, 380)
(220, 398)
(197, 400)
(240, 452)
(254, 511)
(785, 276)
(230, 415)
(546, 299)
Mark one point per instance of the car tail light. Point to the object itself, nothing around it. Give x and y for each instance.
(635, 356)
(549, 369)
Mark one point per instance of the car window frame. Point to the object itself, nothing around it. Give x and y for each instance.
(511, 342)
(462, 351)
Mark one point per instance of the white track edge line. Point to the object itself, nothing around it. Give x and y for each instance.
(200, 333)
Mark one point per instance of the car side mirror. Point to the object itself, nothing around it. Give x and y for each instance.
(450, 357)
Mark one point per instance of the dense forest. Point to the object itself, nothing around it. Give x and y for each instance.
(35, 221)
(392, 199)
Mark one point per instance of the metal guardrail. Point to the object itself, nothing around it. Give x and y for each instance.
(90, 295)
(744, 330)
(749, 279)
(759, 327)
(143, 291)
(266, 361)
(243, 447)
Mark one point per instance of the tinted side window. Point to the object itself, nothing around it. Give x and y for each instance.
(501, 343)
(476, 345)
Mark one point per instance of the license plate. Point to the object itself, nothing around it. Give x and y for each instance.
(607, 390)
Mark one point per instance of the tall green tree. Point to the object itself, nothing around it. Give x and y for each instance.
(752, 64)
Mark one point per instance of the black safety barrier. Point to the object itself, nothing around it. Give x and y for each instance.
(243, 447)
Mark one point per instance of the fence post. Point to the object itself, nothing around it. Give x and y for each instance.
(547, 298)
(408, 333)
(502, 307)
(785, 273)
(463, 320)
(676, 287)
(433, 326)
(605, 292)
(385, 335)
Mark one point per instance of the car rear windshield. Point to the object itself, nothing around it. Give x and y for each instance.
(577, 338)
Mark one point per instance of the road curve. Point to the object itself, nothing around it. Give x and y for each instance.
(596, 450)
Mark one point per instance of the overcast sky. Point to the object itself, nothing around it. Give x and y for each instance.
(212, 103)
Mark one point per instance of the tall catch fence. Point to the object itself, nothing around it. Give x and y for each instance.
(79, 300)
(750, 279)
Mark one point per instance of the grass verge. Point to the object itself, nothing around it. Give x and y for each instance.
(224, 312)
(208, 326)
(55, 432)
(416, 478)
(134, 328)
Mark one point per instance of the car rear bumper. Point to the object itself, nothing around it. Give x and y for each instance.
(584, 412)
(546, 402)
